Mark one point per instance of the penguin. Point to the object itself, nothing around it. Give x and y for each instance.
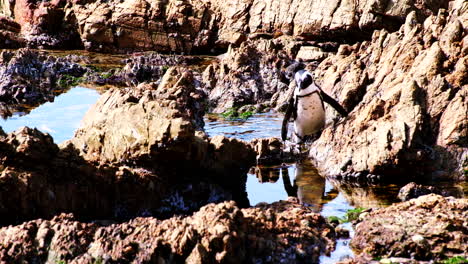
(306, 106)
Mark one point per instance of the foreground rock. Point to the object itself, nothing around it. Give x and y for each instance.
(407, 92)
(38, 179)
(29, 77)
(218, 233)
(430, 227)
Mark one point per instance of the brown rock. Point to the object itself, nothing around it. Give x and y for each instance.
(9, 37)
(204, 26)
(248, 75)
(283, 231)
(402, 100)
(429, 227)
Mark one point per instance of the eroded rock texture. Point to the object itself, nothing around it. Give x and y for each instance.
(158, 126)
(202, 25)
(218, 233)
(248, 75)
(408, 93)
(429, 227)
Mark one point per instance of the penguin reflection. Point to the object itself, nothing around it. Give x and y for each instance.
(308, 185)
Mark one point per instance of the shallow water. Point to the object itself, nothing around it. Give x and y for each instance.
(270, 184)
(59, 118)
(257, 126)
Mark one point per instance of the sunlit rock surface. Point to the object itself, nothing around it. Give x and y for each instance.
(202, 25)
(407, 93)
(430, 227)
(280, 232)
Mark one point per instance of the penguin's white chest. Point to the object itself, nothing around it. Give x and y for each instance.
(310, 115)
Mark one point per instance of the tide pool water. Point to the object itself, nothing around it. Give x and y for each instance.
(59, 118)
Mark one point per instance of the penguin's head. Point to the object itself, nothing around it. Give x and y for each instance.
(288, 74)
(303, 79)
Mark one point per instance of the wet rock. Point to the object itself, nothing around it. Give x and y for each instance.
(402, 94)
(249, 75)
(29, 77)
(149, 67)
(341, 232)
(269, 151)
(281, 232)
(413, 190)
(430, 227)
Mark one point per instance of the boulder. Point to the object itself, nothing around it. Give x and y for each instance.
(408, 110)
(281, 232)
(158, 126)
(430, 227)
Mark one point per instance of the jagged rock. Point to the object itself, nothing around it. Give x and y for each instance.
(46, 24)
(151, 67)
(250, 74)
(138, 123)
(429, 227)
(408, 111)
(203, 26)
(29, 77)
(281, 232)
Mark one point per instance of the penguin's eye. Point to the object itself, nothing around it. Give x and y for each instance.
(306, 82)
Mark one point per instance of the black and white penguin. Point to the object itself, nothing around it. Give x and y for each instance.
(306, 106)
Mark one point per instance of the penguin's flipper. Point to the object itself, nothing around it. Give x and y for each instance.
(287, 116)
(333, 103)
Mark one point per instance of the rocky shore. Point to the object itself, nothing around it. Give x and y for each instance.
(427, 228)
(221, 233)
(142, 182)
